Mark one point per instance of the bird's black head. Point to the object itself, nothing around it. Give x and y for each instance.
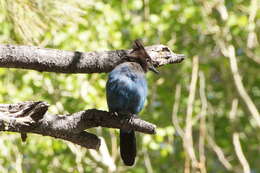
(139, 55)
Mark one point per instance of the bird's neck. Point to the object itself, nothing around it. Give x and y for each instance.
(138, 67)
(142, 65)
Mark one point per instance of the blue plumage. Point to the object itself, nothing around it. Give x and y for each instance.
(126, 90)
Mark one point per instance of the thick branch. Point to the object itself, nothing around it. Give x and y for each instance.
(30, 117)
(60, 61)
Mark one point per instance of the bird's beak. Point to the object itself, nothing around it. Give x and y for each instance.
(152, 68)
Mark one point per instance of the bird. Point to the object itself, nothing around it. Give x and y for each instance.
(126, 92)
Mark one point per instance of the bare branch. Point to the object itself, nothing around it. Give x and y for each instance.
(60, 61)
(30, 117)
(203, 129)
(188, 139)
(233, 111)
(175, 120)
(252, 41)
(240, 155)
(103, 156)
(147, 161)
(230, 53)
(219, 153)
(236, 142)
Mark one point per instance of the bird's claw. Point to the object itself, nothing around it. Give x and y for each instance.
(126, 119)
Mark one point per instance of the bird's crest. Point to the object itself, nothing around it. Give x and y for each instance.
(139, 50)
(139, 55)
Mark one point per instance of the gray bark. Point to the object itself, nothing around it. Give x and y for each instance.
(61, 61)
(31, 117)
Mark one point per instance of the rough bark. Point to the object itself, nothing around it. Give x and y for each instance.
(31, 117)
(61, 61)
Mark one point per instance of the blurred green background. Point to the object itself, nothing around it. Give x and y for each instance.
(207, 121)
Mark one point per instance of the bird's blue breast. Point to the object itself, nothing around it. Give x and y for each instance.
(126, 89)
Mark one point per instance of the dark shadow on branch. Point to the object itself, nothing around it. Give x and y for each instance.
(75, 61)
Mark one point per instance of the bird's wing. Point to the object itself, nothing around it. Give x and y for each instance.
(123, 95)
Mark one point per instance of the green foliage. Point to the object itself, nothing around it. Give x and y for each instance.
(193, 28)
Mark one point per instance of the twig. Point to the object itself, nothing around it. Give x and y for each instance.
(114, 145)
(233, 111)
(187, 163)
(252, 41)
(215, 147)
(175, 120)
(103, 156)
(240, 155)
(228, 50)
(203, 129)
(30, 117)
(236, 142)
(147, 161)
(230, 53)
(79, 156)
(219, 153)
(61, 61)
(188, 139)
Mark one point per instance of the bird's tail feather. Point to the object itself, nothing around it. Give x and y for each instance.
(128, 147)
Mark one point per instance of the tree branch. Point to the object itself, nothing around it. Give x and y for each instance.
(188, 137)
(239, 152)
(61, 61)
(31, 117)
(229, 51)
(219, 152)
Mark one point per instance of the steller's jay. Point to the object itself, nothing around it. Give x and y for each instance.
(126, 91)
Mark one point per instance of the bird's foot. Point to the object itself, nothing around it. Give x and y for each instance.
(127, 118)
(127, 121)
